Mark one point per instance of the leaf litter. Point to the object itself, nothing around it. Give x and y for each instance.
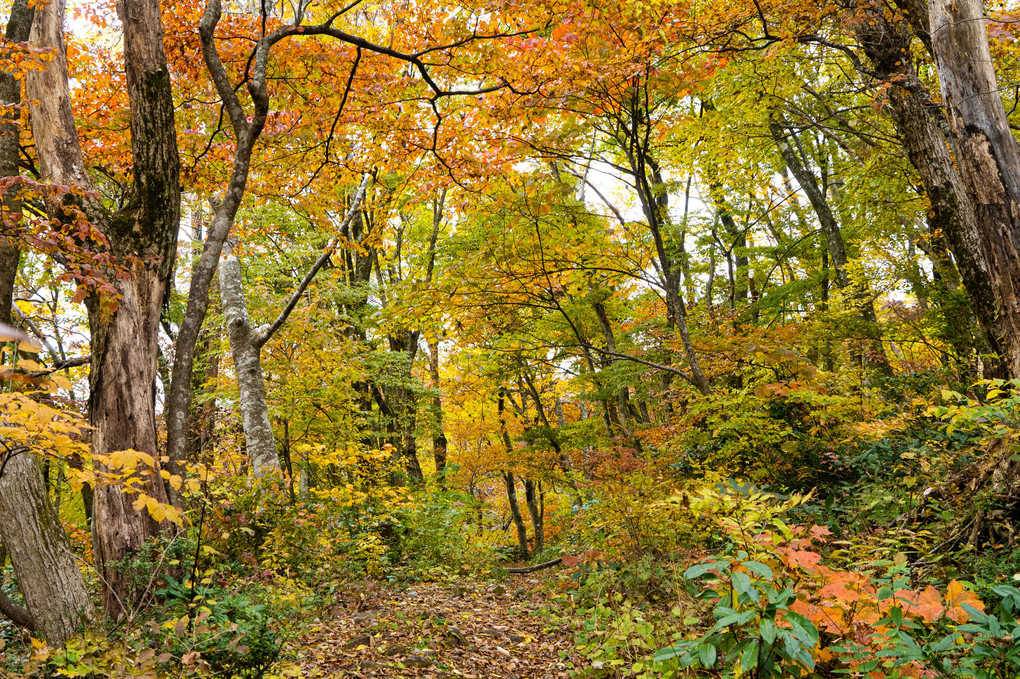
(435, 630)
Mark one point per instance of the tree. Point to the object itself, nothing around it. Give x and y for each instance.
(142, 237)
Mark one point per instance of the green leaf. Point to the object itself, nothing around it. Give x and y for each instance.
(750, 656)
(759, 569)
(707, 655)
(697, 570)
(741, 582)
(767, 628)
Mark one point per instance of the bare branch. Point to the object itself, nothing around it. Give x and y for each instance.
(319, 263)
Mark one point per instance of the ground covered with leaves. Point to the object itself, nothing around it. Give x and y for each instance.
(459, 628)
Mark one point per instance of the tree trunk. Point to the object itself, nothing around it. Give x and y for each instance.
(508, 478)
(988, 157)
(258, 431)
(48, 575)
(439, 442)
(515, 513)
(143, 240)
(920, 125)
(47, 572)
(19, 27)
(536, 509)
(247, 130)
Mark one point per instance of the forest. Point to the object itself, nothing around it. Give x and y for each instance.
(477, 338)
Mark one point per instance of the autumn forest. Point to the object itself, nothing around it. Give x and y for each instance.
(478, 338)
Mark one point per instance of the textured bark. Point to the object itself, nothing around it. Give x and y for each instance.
(919, 124)
(515, 514)
(47, 572)
(18, 28)
(508, 479)
(536, 509)
(632, 137)
(988, 157)
(143, 239)
(439, 442)
(246, 346)
(623, 394)
(258, 431)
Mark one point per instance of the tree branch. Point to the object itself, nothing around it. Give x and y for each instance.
(319, 263)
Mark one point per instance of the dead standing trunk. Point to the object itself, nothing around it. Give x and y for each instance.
(920, 125)
(988, 157)
(48, 574)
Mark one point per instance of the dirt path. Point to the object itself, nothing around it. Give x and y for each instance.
(470, 630)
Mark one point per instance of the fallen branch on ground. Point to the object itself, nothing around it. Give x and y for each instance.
(537, 567)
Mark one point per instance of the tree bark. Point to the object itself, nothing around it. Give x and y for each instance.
(143, 241)
(515, 514)
(859, 296)
(246, 133)
(439, 442)
(508, 478)
(258, 431)
(988, 157)
(47, 572)
(920, 126)
(536, 509)
(246, 346)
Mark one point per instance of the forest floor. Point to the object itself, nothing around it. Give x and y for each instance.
(457, 628)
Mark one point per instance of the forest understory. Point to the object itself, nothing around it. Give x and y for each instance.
(470, 338)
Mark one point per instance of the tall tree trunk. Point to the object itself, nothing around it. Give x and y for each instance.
(247, 129)
(258, 431)
(508, 478)
(48, 575)
(246, 345)
(439, 442)
(988, 158)
(536, 509)
(515, 514)
(143, 240)
(47, 572)
(920, 124)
